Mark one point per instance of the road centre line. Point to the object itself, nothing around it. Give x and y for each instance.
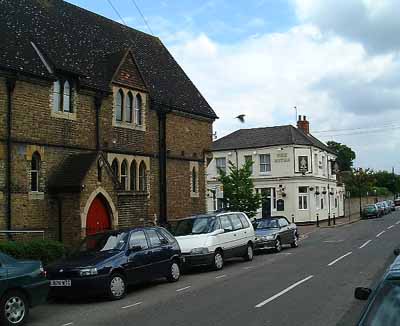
(363, 245)
(220, 276)
(398, 222)
(380, 233)
(284, 291)
(392, 226)
(340, 258)
(132, 305)
(68, 324)
(185, 288)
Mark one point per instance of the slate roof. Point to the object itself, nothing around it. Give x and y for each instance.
(265, 137)
(70, 174)
(90, 47)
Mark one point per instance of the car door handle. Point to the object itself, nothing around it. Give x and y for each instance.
(235, 234)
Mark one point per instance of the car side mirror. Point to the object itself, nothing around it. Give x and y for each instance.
(396, 252)
(135, 248)
(361, 293)
(217, 232)
(164, 242)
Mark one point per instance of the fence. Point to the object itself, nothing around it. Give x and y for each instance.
(21, 234)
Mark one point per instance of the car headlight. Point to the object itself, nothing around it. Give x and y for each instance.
(88, 271)
(270, 237)
(199, 251)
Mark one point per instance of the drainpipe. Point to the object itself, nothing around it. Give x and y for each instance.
(162, 161)
(60, 226)
(10, 82)
(98, 99)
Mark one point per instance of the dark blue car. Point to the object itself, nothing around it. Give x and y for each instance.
(106, 263)
(383, 304)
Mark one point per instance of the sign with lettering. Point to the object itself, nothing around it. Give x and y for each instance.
(282, 158)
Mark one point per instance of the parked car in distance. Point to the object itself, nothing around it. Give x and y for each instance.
(387, 207)
(397, 202)
(381, 308)
(371, 210)
(275, 232)
(23, 285)
(381, 208)
(392, 205)
(106, 263)
(208, 240)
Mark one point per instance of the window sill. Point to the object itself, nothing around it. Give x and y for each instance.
(129, 125)
(64, 115)
(265, 173)
(35, 195)
(194, 195)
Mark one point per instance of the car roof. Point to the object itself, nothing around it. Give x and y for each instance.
(136, 228)
(273, 217)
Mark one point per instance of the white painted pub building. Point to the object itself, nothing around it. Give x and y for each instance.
(294, 171)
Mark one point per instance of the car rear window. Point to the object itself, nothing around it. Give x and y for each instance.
(244, 221)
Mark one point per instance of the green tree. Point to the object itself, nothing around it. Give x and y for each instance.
(388, 180)
(239, 194)
(359, 181)
(345, 155)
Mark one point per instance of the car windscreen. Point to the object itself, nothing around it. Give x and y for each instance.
(268, 224)
(104, 242)
(370, 207)
(197, 225)
(385, 306)
(7, 260)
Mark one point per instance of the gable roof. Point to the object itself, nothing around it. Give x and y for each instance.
(72, 171)
(265, 137)
(90, 47)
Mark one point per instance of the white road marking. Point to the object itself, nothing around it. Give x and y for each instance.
(398, 222)
(248, 267)
(185, 288)
(392, 226)
(333, 241)
(132, 305)
(366, 243)
(67, 324)
(285, 253)
(380, 233)
(220, 276)
(340, 258)
(284, 291)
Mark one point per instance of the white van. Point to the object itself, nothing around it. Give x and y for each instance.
(207, 240)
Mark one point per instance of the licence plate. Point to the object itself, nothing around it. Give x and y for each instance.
(60, 283)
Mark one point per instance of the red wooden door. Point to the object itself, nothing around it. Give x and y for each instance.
(98, 218)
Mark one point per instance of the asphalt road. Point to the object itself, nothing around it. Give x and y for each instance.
(309, 285)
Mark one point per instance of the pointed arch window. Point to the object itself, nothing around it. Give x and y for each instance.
(67, 97)
(119, 104)
(142, 177)
(124, 175)
(115, 168)
(56, 96)
(133, 174)
(35, 172)
(194, 180)
(62, 96)
(138, 110)
(129, 108)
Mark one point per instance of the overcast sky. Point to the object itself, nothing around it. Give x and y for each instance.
(336, 60)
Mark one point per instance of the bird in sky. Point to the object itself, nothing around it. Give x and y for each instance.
(240, 117)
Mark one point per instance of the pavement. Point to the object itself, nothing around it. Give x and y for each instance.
(309, 285)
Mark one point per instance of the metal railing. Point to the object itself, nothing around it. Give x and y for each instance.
(12, 232)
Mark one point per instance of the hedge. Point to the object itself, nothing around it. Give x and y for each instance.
(46, 251)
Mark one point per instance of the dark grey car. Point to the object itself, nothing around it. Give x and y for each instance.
(275, 232)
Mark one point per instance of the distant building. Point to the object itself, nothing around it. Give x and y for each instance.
(100, 126)
(293, 170)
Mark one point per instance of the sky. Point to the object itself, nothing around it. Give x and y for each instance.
(337, 61)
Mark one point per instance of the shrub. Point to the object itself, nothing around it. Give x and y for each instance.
(46, 251)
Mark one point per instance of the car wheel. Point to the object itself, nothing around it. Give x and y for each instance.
(295, 242)
(218, 262)
(278, 245)
(116, 286)
(15, 309)
(249, 253)
(174, 272)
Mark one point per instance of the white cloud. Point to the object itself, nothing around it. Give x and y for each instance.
(374, 23)
(333, 81)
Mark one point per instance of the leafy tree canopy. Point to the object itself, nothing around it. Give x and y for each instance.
(345, 155)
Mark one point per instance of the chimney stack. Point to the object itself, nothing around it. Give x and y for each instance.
(304, 125)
